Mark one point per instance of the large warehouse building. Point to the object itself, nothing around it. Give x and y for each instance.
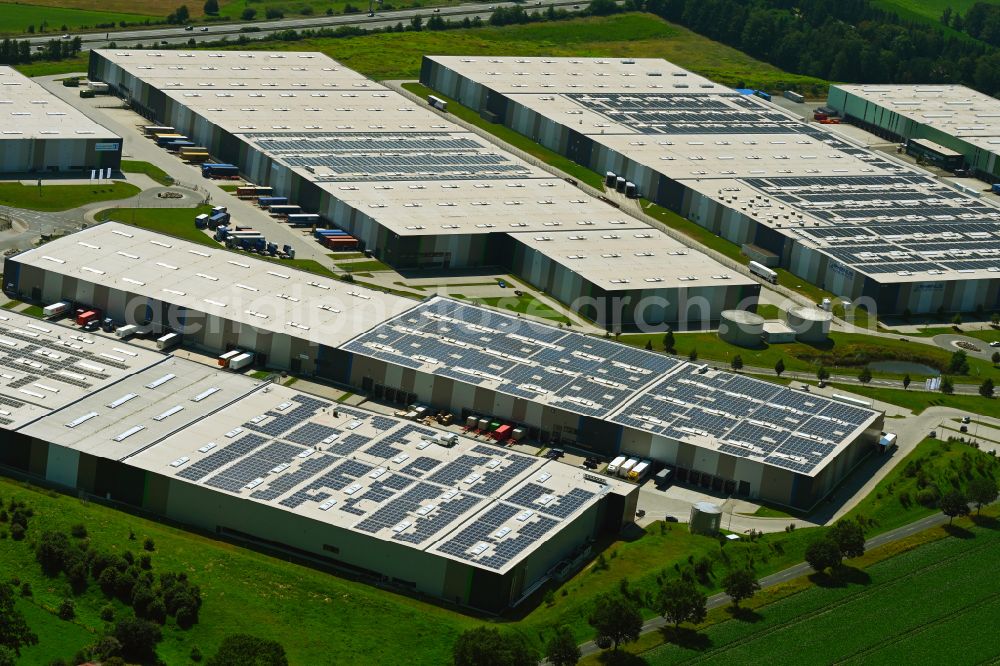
(850, 220)
(474, 524)
(722, 431)
(953, 119)
(417, 190)
(40, 133)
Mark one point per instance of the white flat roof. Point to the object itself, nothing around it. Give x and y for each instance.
(142, 409)
(234, 286)
(29, 111)
(955, 110)
(631, 259)
(45, 366)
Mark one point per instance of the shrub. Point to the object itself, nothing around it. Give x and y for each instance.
(274, 13)
(67, 611)
(145, 562)
(17, 532)
(108, 613)
(79, 531)
(26, 589)
(195, 654)
(929, 497)
(149, 545)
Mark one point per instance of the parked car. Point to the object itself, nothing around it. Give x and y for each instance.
(966, 419)
(995, 343)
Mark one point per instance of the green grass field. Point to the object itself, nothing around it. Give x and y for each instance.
(918, 401)
(927, 9)
(398, 55)
(15, 18)
(523, 304)
(153, 171)
(177, 222)
(362, 266)
(62, 197)
(929, 606)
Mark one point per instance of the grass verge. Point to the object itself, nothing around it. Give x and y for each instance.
(61, 197)
(151, 170)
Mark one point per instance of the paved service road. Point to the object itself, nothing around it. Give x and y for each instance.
(801, 569)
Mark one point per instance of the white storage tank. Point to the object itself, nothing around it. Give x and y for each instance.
(741, 327)
(706, 518)
(810, 324)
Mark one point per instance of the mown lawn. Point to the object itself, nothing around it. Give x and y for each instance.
(62, 197)
(937, 596)
(151, 170)
(525, 304)
(918, 401)
(177, 222)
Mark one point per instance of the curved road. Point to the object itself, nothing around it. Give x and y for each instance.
(212, 32)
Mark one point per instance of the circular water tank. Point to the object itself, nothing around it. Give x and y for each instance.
(706, 518)
(740, 327)
(810, 324)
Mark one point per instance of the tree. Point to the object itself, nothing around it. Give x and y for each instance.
(947, 386)
(7, 657)
(486, 646)
(954, 504)
(139, 638)
(982, 490)
(67, 610)
(181, 14)
(986, 388)
(822, 374)
(14, 631)
(823, 553)
(680, 600)
(865, 375)
(740, 584)
(957, 319)
(249, 14)
(603, 7)
(849, 537)
(959, 363)
(562, 650)
(995, 358)
(649, 345)
(51, 552)
(737, 363)
(995, 319)
(211, 7)
(616, 619)
(417, 23)
(668, 341)
(906, 382)
(693, 356)
(779, 367)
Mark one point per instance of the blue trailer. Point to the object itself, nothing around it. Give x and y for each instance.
(169, 138)
(174, 146)
(303, 219)
(996, 188)
(215, 170)
(762, 95)
(267, 202)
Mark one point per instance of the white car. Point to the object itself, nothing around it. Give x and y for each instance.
(995, 343)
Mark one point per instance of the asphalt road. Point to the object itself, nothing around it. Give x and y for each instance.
(215, 31)
(801, 569)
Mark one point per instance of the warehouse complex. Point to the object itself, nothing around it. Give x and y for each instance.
(41, 133)
(390, 499)
(848, 219)
(725, 432)
(952, 126)
(416, 189)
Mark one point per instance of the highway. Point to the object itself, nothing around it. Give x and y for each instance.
(211, 32)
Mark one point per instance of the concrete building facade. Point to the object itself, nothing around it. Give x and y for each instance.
(40, 133)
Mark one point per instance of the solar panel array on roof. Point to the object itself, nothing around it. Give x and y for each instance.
(582, 374)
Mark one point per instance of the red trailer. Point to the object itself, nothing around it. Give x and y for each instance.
(86, 317)
(502, 433)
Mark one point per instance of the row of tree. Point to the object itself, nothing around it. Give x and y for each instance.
(848, 40)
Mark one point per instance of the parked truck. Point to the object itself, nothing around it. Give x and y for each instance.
(282, 210)
(126, 331)
(87, 316)
(56, 309)
(303, 219)
(241, 361)
(639, 472)
(615, 464)
(762, 271)
(626, 467)
(168, 341)
(224, 359)
(267, 202)
(220, 171)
